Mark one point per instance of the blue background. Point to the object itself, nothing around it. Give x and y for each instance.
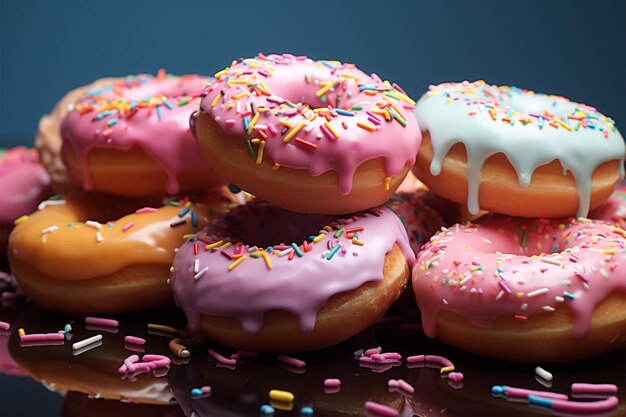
(571, 48)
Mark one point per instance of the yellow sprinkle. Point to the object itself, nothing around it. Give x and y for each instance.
(281, 396)
(242, 81)
(319, 237)
(324, 90)
(446, 369)
(172, 268)
(279, 405)
(226, 245)
(284, 122)
(331, 130)
(241, 95)
(253, 122)
(20, 219)
(214, 245)
(267, 260)
(293, 132)
(321, 110)
(387, 182)
(21, 332)
(255, 141)
(357, 242)
(259, 154)
(405, 98)
(215, 100)
(366, 126)
(328, 228)
(236, 263)
(609, 251)
(188, 235)
(222, 72)
(163, 328)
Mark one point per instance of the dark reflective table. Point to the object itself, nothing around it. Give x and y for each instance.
(52, 381)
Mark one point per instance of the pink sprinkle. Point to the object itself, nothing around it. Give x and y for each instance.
(589, 407)
(99, 321)
(456, 376)
(135, 340)
(158, 360)
(402, 385)
(221, 359)
(332, 382)
(127, 226)
(146, 210)
(416, 358)
(129, 364)
(582, 388)
(386, 356)
(205, 389)
(4, 325)
(380, 409)
(371, 351)
(42, 337)
(523, 393)
(504, 287)
(291, 361)
(272, 129)
(438, 359)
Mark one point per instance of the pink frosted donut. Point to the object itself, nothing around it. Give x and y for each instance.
(613, 211)
(328, 279)
(24, 183)
(137, 127)
(309, 136)
(522, 289)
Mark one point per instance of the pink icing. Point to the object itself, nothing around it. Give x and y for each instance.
(150, 112)
(420, 220)
(298, 284)
(509, 266)
(275, 87)
(613, 211)
(24, 183)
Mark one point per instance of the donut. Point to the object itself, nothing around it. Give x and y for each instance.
(516, 152)
(137, 127)
(253, 285)
(24, 183)
(525, 289)
(48, 139)
(309, 136)
(613, 211)
(68, 257)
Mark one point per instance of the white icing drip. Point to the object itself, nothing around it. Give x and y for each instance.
(445, 113)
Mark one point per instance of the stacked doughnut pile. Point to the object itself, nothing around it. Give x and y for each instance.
(326, 247)
(121, 152)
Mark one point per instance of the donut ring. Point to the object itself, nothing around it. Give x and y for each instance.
(344, 147)
(525, 290)
(24, 183)
(290, 296)
(614, 210)
(511, 151)
(137, 127)
(67, 261)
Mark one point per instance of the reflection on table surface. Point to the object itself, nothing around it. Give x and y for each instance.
(91, 385)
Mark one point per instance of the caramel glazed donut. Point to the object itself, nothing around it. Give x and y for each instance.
(308, 136)
(511, 151)
(244, 290)
(137, 127)
(67, 257)
(525, 289)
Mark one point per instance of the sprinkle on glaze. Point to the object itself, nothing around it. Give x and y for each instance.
(318, 258)
(531, 129)
(143, 110)
(613, 211)
(315, 115)
(511, 266)
(24, 183)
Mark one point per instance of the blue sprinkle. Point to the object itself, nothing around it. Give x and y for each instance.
(297, 250)
(234, 189)
(158, 110)
(112, 122)
(536, 400)
(344, 112)
(323, 98)
(569, 295)
(194, 219)
(307, 411)
(367, 87)
(266, 409)
(133, 105)
(328, 64)
(333, 251)
(497, 389)
(167, 104)
(196, 392)
(246, 123)
(67, 328)
(183, 212)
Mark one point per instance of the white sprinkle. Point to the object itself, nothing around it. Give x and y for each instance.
(200, 273)
(548, 308)
(551, 261)
(94, 224)
(87, 341)
(524, 307)
(445, 301)
(84, 349)
(98, 237)
(486, 240)
(535, 293)
(500, 295)
(604, 273)
(542, 373)
(196, 265)
(49, 229)
(559, 299)
(285, 252)
(466, 279)
(47, 203)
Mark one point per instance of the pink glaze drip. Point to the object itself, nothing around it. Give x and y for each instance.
(24, 183)
(486, 270)
(300, 285)
(277, 85)
(613, 211)
(145, 111)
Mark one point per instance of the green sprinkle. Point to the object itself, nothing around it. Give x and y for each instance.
(339, 232)
(183, 101)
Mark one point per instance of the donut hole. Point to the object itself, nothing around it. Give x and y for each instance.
(270, 225)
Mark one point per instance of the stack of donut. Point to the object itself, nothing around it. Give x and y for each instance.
(535, 279)
(122, 152)
(320, 257)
